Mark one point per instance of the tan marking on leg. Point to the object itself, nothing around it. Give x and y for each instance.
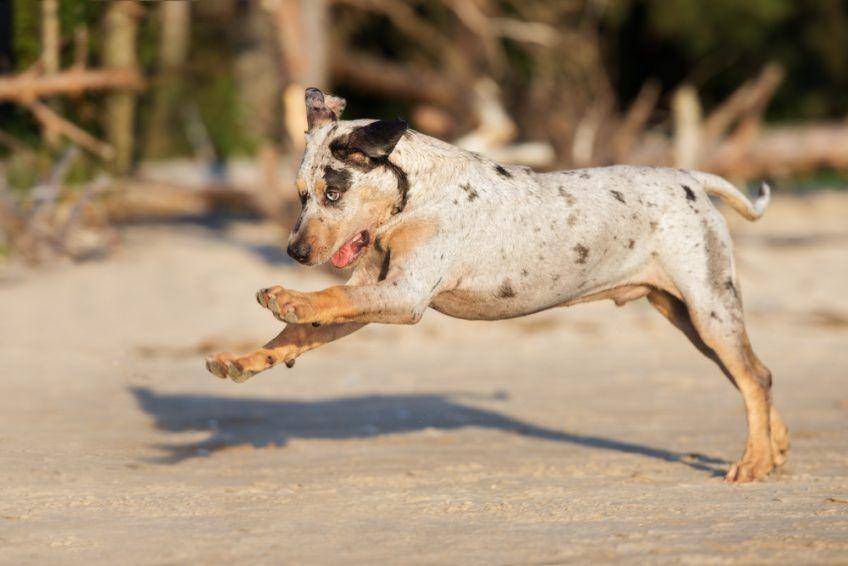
(294, 340)
(736, 362)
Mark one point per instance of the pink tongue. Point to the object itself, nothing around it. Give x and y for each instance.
(342, 257)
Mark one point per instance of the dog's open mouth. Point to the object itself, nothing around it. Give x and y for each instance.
(351, 250)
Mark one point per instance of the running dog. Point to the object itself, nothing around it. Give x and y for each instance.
(426, 224)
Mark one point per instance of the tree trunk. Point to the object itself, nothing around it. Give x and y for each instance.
(119, 52)
(302, 32)
(50, 55)
(175, 21)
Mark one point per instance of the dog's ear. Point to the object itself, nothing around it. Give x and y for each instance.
(322, 108)
(378, 139)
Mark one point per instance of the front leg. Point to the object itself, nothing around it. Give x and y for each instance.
(294, 340)
(395, 302)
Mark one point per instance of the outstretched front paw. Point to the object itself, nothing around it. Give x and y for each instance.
(242, 368)
(288, 306)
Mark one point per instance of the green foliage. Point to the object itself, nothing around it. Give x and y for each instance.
(718, 44)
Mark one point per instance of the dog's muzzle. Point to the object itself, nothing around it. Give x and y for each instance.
(300, 251)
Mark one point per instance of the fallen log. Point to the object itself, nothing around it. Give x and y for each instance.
(782, 151)
(27, 87)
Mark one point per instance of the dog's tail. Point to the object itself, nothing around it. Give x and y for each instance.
(715, 185)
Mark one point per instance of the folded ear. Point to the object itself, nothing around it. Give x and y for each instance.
(378, 139)
(322, 108)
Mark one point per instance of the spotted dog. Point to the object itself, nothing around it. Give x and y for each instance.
(426, 224)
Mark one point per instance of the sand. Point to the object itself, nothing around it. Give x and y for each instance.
(590, 434)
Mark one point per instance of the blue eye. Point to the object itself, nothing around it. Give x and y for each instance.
(333, 195)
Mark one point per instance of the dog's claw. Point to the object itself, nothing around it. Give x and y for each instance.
(228, 369)
(290, 363)
(214, 367)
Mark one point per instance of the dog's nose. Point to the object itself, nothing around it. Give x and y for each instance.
(300, 251)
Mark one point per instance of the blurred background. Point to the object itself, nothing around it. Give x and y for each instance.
(147, 161)
(112, 111)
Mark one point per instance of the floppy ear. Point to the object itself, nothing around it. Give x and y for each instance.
(378, 139)
(322, 108)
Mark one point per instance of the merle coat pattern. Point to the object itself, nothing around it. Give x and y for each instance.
(425, 224)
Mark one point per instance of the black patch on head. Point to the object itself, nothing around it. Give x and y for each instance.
(690, 195)
(337, 178)
(505, 291)
(582, 253)
(503, 172)
(402, 186)
(353, 151)
(469, 190)
(384, 267)
(618, 196)
(377, 139)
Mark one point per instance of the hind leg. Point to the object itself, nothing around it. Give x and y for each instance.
(779, 431)
(713, 323)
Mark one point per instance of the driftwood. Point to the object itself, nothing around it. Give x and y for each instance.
(780, 151)
(27, 86)
(392, 79)
(53, 122)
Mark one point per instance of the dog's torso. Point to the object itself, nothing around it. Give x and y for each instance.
(512, 242)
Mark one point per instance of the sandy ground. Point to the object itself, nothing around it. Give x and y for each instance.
(591, 434)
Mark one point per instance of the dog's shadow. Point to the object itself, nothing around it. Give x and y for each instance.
(260, 422)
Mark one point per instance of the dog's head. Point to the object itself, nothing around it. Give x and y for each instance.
(348, 186)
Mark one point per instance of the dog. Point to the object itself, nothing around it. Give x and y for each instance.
(426, 224)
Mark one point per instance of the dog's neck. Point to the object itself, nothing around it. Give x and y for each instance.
(432, 164)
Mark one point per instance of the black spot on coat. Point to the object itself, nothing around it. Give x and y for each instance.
(505, 291)
(503, 172)
(618, 196)
(582, 253)
(337, 178)
(690, 195)
(469, 191)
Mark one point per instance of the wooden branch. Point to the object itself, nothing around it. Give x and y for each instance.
(53, 121)
(687, 127)
(25, 88)
(374, 74)
(751, 96)
(636, 118)
(780, 151)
